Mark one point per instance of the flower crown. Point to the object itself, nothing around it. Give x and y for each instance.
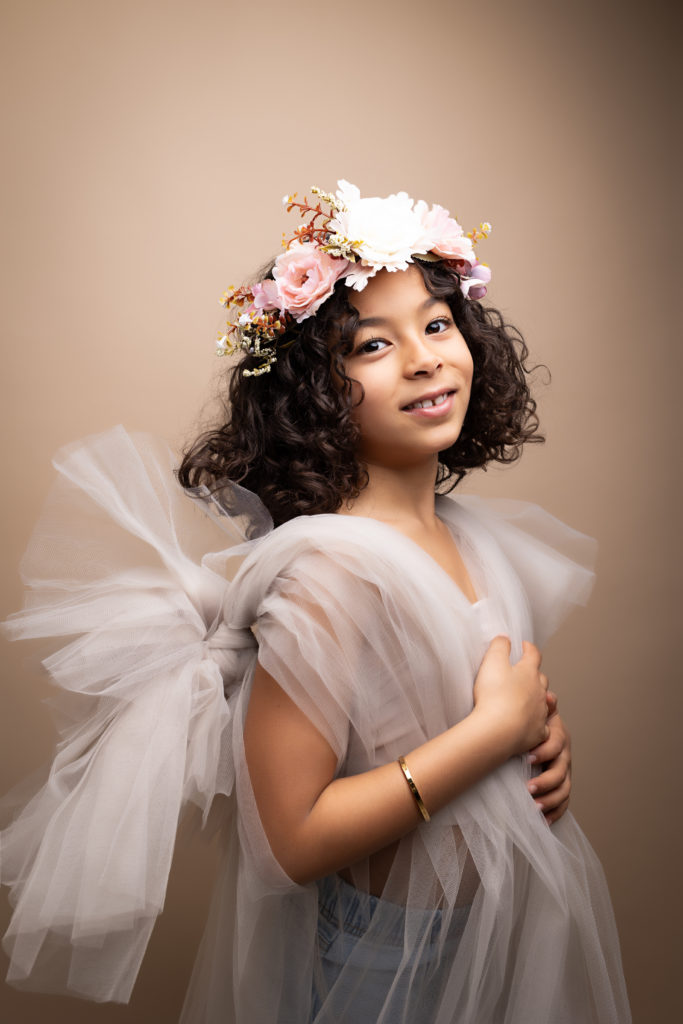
(352, 240)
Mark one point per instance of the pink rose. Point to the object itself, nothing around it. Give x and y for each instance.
(444, 236)
(306, 277)
(266, 295)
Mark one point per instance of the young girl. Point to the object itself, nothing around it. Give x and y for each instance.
(367, 689)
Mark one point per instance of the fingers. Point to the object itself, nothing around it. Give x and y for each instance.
(500, 645)
(551, 699)
(557, 741)
(548, 750)
(551, 789)
(552, 802)
(552, 778)
(532, 652)
(552, 816)
(499, 651)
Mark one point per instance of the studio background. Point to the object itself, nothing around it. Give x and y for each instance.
(147, 146)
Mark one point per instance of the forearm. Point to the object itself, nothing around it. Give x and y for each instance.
(358, 815)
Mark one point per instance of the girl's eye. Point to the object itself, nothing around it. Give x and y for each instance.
(370, 346)
(437, 326)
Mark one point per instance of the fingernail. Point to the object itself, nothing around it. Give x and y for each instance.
(540, 806)
(532, 787)
(531, 759)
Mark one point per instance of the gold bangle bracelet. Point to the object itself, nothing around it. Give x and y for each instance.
(413, 788)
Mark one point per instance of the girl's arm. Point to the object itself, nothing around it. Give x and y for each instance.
(317, 824)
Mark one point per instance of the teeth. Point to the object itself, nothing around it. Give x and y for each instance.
(428, 402)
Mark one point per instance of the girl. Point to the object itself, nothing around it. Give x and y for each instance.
(386, 860)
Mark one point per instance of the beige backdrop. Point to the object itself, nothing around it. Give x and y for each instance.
(147, 145)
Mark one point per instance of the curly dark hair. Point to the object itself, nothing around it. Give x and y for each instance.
(290, 437)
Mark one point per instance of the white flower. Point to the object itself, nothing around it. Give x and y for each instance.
(385, 232)
(358, 275)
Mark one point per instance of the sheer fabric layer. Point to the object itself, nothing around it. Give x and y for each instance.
(379, 649)
(114, 571)
(486, 914)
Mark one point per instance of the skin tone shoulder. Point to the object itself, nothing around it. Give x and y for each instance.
(415, 371)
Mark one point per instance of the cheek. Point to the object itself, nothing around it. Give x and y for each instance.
(368, 395)
(371, 413)
(467, 370)
(358, 401)
(466, 362)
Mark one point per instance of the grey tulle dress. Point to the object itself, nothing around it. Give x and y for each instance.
(165, 601)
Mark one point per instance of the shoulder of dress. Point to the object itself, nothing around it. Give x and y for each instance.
(504, 509)
(339, 552)
(322, 534)
(520, 528)
(335, 543)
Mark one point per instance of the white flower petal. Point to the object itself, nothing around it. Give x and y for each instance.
(359, 275)
(347, 192)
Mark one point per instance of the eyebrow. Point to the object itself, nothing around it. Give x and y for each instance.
(380, 321)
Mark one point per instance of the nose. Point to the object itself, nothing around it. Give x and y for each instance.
(421, 359)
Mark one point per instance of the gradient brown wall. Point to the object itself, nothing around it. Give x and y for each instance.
(147, 145)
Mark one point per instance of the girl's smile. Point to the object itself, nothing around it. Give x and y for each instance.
(414, 368)
(432, 405)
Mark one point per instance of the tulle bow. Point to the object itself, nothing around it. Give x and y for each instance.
(145, 720)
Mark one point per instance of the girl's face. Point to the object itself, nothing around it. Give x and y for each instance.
(415, 369)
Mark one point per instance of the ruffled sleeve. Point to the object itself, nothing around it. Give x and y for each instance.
(553, 562)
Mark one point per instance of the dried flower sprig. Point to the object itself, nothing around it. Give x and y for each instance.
(319, 234)
(480, 233)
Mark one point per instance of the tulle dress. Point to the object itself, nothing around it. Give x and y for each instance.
(487, 915)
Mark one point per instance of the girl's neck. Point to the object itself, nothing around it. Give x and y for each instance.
(403, 497)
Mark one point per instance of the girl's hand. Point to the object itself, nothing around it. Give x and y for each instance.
(551, 788)
(513, 697)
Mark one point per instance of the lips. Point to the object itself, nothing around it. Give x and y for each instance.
(430, 401)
